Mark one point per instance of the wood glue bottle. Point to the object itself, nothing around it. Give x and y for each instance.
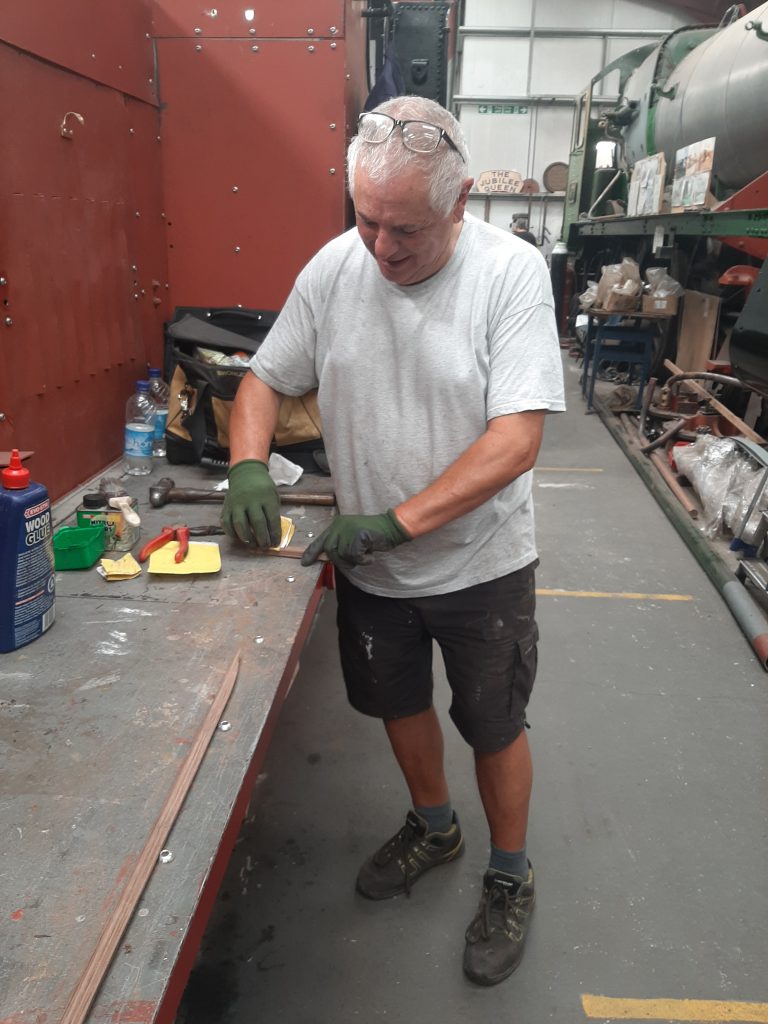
(27, 581)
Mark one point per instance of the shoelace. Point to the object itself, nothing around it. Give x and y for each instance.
(400, 846)
(507, 909)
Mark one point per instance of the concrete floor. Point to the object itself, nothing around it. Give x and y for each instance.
(648, 826)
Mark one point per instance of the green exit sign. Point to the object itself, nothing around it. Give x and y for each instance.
(501, 108)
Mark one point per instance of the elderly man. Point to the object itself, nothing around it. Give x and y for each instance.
(432, 340)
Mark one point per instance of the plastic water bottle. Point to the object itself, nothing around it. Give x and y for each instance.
(160, 392)
(140, 414)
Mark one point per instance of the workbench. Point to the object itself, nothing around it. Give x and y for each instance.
(96, 717)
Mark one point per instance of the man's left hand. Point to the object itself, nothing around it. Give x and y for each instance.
(351, 540)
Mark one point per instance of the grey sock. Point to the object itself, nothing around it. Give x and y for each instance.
(438, 819)
(509, 863)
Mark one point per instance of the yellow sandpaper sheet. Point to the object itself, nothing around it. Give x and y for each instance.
(203, 556)
(125, 568)
(287, 531)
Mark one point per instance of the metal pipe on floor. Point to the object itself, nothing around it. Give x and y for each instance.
(668, 476)
(669, 435)
(746, 612)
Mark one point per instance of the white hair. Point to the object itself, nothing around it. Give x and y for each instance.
(444, 170)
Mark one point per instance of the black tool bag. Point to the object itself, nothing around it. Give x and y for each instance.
(206, 358)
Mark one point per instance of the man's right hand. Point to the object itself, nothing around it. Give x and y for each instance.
(251, 511)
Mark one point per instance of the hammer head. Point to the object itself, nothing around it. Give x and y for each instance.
(159, 492)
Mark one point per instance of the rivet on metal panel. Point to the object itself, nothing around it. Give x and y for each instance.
(237, 248)
(134, 268)
(138, 214)
(291, 579)
(93, 56)
(235, 188)
(143, 292)
(255, 49)
(310, 31)
(311, 49)
(310, 534)
(198, 31)
(165, 857)
(150, 80)
(333, 30)
(225, 726)
(333, 46)
(3, 280)
(8, 321)
(348, 76)
(162, 213)
(251, 31)
(66, 132)
(212, 13)
(198, 47)
(2, 417)
(157, 138)
(156, 301)
(131, 131)
(135, 295)
(331, 170)
(332, 125)
(259, 639)
(119, 67)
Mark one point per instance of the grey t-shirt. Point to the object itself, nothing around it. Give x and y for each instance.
(408, 377)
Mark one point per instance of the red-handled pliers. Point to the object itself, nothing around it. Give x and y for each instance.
(179, 533)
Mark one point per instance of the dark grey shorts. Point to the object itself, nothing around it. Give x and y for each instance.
(487, 635)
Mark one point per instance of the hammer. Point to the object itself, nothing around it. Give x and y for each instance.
(165, 491)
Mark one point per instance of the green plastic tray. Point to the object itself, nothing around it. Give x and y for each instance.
(78, 547)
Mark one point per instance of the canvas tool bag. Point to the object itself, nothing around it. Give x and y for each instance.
(200, 344)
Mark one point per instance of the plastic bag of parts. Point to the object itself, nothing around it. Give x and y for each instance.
(660, 284)
(620, 286)
(746, 479)
(725, 481)
(588, 298)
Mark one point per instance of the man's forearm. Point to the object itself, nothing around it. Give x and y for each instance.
(506, 450)
(253, 420)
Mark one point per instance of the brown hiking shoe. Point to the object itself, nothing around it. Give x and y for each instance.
(496, 936)
(406, 856)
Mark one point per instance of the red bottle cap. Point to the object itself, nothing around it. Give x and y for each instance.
(15, 477)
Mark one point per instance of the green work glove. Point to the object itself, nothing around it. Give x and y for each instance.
(251, 511)
(351, 540)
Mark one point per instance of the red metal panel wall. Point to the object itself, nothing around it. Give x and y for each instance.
(265, 19)
(78, 214)
(105, 40)
(253, 141)
(253, 159)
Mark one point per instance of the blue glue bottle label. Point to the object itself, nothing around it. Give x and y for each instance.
(27, 579)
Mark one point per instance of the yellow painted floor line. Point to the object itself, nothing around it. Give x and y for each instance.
(550, 592)
(564, 469)
(701, 1010)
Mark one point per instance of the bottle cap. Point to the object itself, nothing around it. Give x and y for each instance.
(15, 477)
(142, 385)
(154, 372)
(94, 501)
